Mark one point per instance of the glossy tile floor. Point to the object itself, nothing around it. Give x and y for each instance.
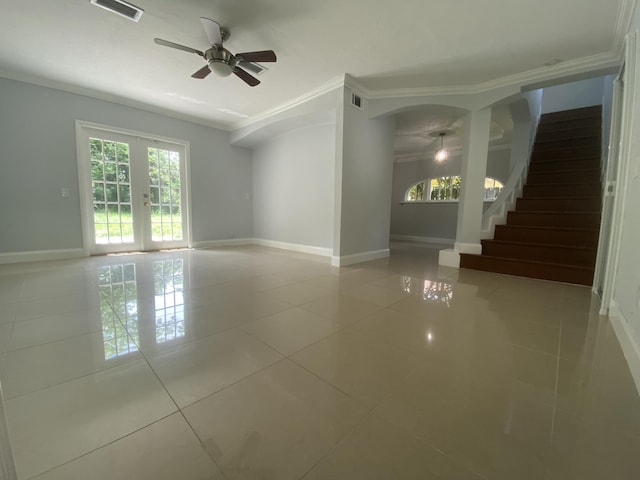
(255, 363)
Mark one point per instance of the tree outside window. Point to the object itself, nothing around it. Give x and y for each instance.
(448, 189)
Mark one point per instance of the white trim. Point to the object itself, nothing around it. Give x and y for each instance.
(227, 242)
(295, 247)
(331, 85)
(623, 24)
(609, 59)
(359, 257)
(625, 335)
(571, 67)
(41, 255)
(84, 130)
(449, 258)
(416, 238)
(626, 135)
(473, 248)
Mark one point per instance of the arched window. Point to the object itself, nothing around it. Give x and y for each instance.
(492, 189)
(448, 189)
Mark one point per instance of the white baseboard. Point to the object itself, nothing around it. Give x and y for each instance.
(225, 242)
(627, 340)
(474, 248)
(295, 247)
(359, 257)
(449, 258)
(41, 255)
(415, 238)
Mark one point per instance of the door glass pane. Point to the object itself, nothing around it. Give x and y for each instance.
(168, 280)
(111, 187)
(165, 188)
(119, 309)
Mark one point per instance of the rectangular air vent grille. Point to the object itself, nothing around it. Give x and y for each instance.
(120, 7)
(356, 100)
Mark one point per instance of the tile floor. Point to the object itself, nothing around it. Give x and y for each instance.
(255, 363)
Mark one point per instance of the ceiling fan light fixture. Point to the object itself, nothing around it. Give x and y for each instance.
(220, 68)
(442, 153)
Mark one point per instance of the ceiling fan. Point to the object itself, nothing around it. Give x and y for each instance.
(222, 61)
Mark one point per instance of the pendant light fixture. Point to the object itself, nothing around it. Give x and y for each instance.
(442, 153)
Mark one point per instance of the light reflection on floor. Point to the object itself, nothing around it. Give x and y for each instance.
(251, 362)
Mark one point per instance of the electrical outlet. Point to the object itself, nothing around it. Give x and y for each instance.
(64, 191)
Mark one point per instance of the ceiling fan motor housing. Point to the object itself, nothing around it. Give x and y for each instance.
(221, 61)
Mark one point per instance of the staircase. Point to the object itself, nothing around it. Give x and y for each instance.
(553, 232)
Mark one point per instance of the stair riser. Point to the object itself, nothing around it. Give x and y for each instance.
(575, 176)
(592, 142)
(559, 134)
(572, 190)
(594, 111)
(578, 238)
(562, 125)
(583, 220)
(567, 164)
(552, 254)
(574, 152)
(558, 204)
(541, 271)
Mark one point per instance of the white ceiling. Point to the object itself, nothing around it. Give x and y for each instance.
(383, 44)
(417, 131)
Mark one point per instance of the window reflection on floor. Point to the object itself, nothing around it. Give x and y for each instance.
(437, 292)
(118, 307)
(431, 291)
(168, 284)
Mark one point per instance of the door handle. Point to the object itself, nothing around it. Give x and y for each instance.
(146, 204)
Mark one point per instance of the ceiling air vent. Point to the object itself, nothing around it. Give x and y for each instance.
(120, 7)
(356, 100)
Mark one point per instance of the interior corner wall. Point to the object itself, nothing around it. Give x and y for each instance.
(38, 158)
(583, 93)
(293, 187)
(366, 170)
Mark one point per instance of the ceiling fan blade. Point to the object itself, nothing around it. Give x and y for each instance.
(254, 68)
(261, 56)
(167, 43)
(212, 29)
(203, 72)
(246, 76)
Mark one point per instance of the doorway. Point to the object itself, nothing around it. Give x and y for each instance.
(133, 190)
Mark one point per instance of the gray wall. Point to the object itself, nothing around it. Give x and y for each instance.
(38, 158)
(293, 187)
(584, 93)
(364, 163)
(434, 220)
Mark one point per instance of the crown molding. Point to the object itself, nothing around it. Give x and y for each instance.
(333, 84)
(623, 24)
(107, 97)
(564, 69)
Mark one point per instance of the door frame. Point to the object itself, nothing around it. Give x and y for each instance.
(625, 135)
(84, 175)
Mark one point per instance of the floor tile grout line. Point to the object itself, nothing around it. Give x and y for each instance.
(103, 370)
(102, 446)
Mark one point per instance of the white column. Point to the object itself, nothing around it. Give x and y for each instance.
(474, 169)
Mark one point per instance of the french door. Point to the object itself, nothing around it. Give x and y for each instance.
(134, 192)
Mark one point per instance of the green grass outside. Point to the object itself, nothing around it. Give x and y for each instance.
(159, 231)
